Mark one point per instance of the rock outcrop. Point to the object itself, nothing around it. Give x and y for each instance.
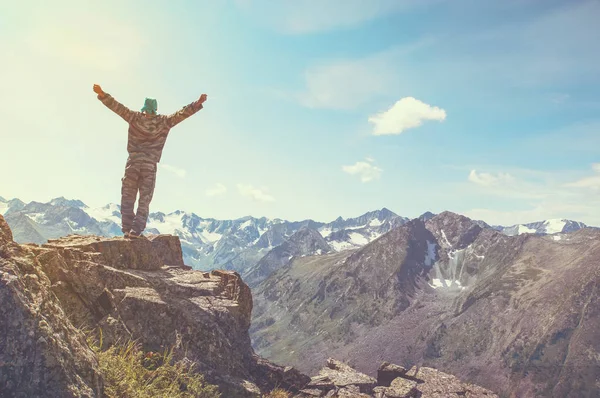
(129, 290)
(41, 353)
(141, 290)
(337, 379)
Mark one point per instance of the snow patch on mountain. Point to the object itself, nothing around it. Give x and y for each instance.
(554, 226)
(36, 217)
(341, 246)
(446, 284)
(211, 237)
(358, 239)
(246, 224)
(344, 234)
(523, 229)
(325, 232)
(169, 224)
(111, 212)
(374, 223)
(445, 238)
(549, 227)
(75, 229)
(449, 276)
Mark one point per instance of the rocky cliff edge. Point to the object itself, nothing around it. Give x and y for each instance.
(138, 290)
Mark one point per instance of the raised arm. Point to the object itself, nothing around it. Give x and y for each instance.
(114, 105)
(186, 111)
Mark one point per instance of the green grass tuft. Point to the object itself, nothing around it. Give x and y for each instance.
(130, 373)
(278, 393)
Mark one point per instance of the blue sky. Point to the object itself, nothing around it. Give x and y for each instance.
(315, 109)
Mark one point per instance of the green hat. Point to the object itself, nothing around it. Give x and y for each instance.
(150, 106)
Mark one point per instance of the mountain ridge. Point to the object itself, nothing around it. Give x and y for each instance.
(423, 294)
(236, 244)
(207, 242)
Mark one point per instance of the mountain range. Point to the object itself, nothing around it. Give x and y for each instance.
(91, 316)
(511, 308)
(207, 243)
(517, 314)
(239, 244)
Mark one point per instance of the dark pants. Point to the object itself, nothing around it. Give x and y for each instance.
(139, 176)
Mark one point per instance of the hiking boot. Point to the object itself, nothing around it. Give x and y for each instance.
(136, 235)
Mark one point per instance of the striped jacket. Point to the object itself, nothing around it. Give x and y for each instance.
(148, 133)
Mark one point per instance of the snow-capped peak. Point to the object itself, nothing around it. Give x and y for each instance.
(62, 201)
(549, 227)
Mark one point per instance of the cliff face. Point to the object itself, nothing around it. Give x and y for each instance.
(141, 290)
(138, 290)
(41, 353)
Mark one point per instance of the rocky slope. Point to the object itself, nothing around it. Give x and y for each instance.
(516, 314)
(302, 243)
(141, 290)
(337, 379)
(138, 290)
(316, 301)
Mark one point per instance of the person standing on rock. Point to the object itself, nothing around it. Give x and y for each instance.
(147, 135)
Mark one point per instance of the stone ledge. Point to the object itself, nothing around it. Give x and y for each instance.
(143, 254)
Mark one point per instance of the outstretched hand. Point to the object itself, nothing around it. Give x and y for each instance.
(202, 98)
(98, 90)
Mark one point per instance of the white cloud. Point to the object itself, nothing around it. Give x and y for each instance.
(257, 194)
(559, 98)
(405, 114)
(347, 84)
(173, 169)
(366, 171)
(487, 179)
(217, 190)
(527, 196)
(352, 83)
(312, 16)
(590, 182)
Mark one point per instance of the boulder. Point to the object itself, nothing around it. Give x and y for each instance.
(337, 380)
(387, 372)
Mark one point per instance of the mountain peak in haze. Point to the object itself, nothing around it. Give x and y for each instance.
(386, 213)
(453, 230)
(62, 201)
(304, 242)
(231, 244)
(426, 216)
(546, 227)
